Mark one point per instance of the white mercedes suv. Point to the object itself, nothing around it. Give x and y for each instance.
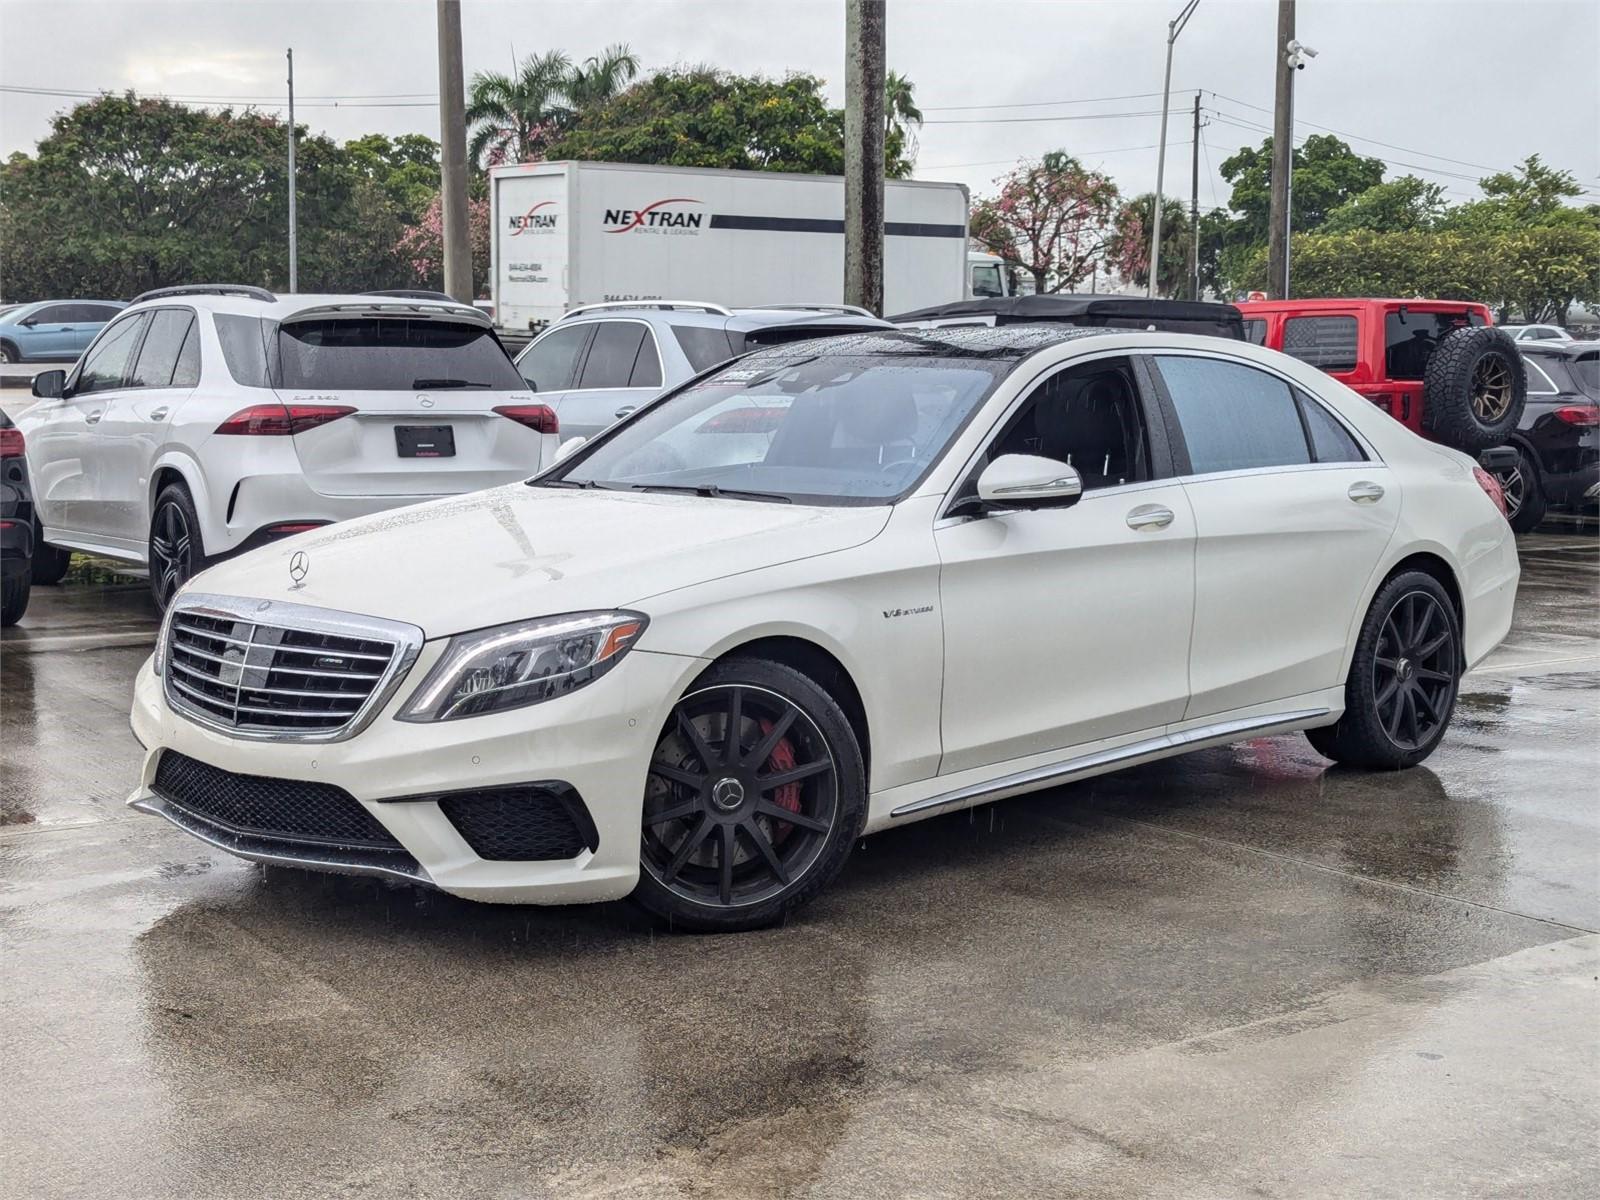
(207, 420)
(823, 590)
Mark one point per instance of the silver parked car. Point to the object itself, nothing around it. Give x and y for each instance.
(601, 361)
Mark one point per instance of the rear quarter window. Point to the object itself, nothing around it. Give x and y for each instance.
(244, 348)
(703, 346)
(1327, 343)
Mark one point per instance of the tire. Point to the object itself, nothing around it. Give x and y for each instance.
(1420, 656)
(50, 563)
(722, 847)
(1473, 389)
(9, 353)
(14, 590)
(1524, 492)
(176, 551)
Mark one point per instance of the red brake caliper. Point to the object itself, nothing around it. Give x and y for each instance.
(788, 796)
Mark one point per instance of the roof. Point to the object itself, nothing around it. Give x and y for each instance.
(1005, 343)
(1125, 312)
(284, 305)
(1326, 302)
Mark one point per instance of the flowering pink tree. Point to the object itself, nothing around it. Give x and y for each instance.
(1053, 216)
(421, 246)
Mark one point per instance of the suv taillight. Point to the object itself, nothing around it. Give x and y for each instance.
(1579, 414)
(11, 443)
(279, 420)
(1491, 487)
(541, 418)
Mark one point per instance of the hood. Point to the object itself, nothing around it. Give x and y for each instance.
(516, 551)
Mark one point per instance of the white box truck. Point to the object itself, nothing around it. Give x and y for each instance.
(570, 233)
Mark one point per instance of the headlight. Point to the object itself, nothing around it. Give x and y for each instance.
(527, 662)
(160, 663)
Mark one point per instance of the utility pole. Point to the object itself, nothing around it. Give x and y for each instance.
(1174, 28)
(1194, 207)
(294, 237)
(453, 155)
(1282, 155)
(864, 65)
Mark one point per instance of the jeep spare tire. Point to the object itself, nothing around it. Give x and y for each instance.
(1473, 389)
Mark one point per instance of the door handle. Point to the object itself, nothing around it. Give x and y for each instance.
(1150, 516)
(94, 417)
(625, 410)
(1364, 491)
(160, 414)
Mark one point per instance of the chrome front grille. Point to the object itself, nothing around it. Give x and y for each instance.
(267, 669)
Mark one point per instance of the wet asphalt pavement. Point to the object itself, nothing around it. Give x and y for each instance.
(1236, 973)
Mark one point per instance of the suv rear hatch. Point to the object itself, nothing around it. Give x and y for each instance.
(421, 385)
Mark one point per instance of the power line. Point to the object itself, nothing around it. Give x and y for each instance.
(1018, 158)
(1038, 103)
(1151, 112)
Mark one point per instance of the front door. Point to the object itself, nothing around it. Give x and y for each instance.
(1064, 626)
(79, 453)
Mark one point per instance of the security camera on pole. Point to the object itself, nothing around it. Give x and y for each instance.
(1292, 56)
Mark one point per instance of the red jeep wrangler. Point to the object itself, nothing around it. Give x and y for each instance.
(1438, 366)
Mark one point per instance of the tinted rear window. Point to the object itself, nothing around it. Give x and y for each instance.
(1409, 338)
(392, 354)
(1255, 331)
(702, 346)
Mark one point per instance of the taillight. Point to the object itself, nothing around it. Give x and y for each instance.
(10, 443)
(1491, 487)
(279, 420)
(540, 418)
(1579, 414)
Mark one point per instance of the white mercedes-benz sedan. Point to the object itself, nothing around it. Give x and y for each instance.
(821, 591)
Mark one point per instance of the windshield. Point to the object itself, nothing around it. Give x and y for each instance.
(392, 354)
(824, 429)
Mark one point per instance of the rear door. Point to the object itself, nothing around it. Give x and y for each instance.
(550, 364)
(1292, 514)
(621, 370)
(420, 393)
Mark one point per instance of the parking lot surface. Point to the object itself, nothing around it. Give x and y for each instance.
(1235, 973)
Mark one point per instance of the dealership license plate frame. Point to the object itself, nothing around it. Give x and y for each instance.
(425, 441)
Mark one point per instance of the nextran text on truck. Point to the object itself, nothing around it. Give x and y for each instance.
(570, 233)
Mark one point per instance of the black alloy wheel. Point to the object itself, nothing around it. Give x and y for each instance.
(753, 797)
(1404, 676)
(1525, 501)
(175, 551)
(1413, 671)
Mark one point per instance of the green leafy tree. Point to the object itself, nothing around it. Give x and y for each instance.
(1053, 216)
(126, 194)
(1326, 174)
(1394, 206)
(1535, 273)
(700, 117)
(1532, 195)
(1129, 247)
(405, 168)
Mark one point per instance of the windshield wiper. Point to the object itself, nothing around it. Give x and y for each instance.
(447, 383)
(711, 491)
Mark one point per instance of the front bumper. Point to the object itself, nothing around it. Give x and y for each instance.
(598, 740)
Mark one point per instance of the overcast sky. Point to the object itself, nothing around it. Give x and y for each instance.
(1462, 86)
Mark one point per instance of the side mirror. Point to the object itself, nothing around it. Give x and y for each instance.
(1029, 481)
(28, 322)
(48, 385)
(568, 446)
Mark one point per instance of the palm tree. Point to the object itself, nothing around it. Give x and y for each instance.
(900, 113)
(514, 119)
(601, 77)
